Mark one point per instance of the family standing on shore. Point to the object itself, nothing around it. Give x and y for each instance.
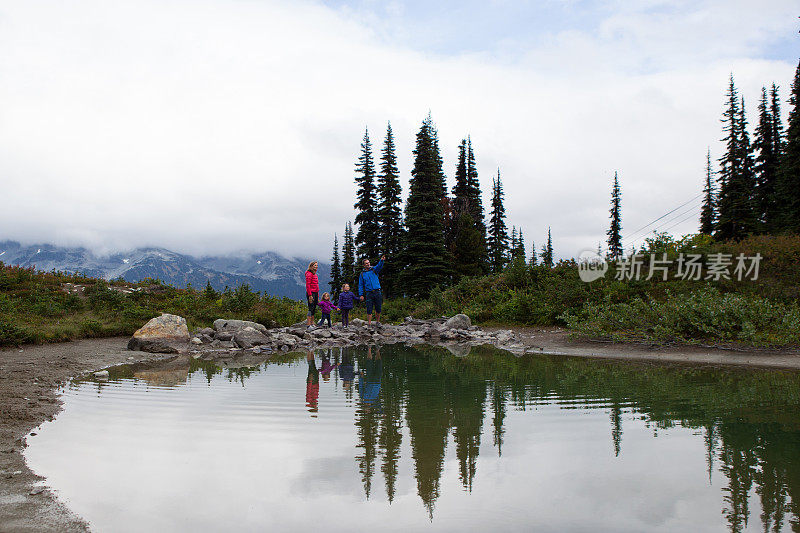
(369, 291)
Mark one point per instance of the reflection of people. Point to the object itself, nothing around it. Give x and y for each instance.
(347, 372)
(312, 291)
(312, 384)
(369, 378)
(369, 289)
(326, 367)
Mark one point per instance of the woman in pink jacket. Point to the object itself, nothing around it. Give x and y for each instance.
(312, 291)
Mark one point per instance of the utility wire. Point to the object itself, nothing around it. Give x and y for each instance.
(665, 222)
(662, 216)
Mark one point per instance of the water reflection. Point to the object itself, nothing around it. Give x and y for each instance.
(409, 404)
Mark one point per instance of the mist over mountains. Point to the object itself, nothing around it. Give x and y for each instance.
(267, 272)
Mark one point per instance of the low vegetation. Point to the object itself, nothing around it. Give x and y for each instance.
(50, 306)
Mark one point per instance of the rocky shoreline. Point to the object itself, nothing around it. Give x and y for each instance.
(228, 338)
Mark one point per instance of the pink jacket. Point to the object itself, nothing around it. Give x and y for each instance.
(312, 283)
(326, 306)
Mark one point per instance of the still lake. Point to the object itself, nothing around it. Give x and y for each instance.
(417, 438)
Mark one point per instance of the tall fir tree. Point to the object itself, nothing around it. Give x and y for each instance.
(476, 202)
(777, 123)
(512, 246)
(707, 212)
(766, 168)
(466, 201)
(389, 212)
(460, 189)
(520, 249)
(615, 230)
(534, 260)
(349, 257)
(547, 250)
(789, 170)
(497, 239)
(424, 254)
(366, 203)
(336, 268)
(735, 206)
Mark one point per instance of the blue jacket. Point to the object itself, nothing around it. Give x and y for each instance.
(347, 300)
(368, 280)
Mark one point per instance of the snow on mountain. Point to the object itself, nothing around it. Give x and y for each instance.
(267, 272)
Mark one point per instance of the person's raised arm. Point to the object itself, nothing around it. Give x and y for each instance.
(377, 268)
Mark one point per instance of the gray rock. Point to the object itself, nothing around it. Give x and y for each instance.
(459, 350)
(247, 337)
(357, 322)
(223, 336)
(196, 340)
(163, 334)
(102, 374)
(459, 321)
(222, 324)
(206, 331)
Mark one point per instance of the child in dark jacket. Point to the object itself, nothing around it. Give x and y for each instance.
(326, 305)
(346, 302)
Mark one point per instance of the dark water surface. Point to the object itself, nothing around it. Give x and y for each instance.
(418, 439)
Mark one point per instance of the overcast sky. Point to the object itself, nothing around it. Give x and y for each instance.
(209, 126)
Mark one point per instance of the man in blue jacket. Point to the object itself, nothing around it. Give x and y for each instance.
(369, 289)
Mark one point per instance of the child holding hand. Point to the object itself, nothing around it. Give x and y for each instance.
(346, 302)
(326, 305)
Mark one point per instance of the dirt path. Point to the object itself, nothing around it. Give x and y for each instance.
(30, 376)
(557, 341)
(29, 380)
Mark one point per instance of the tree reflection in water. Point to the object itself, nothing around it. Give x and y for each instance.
(750, 419)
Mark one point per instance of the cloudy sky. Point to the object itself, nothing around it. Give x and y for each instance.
(209, 126)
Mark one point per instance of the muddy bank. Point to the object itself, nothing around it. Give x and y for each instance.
(30, 376)
(29, 380)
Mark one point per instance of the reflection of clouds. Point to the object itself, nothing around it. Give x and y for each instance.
(327, 476)
(224, 456)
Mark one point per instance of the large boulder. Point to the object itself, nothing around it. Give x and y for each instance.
(248, 337)
(163, 334)
(459, 321)
(223, 324)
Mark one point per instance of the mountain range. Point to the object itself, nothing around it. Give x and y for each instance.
(267, 272)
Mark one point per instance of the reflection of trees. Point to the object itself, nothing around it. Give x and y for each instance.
(749, 418)
(755, 446)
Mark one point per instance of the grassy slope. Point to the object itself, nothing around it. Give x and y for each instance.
(35, 307)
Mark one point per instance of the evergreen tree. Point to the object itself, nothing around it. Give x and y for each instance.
(336, 268)
(547, 251)
(349, 258)
(735, 212)
(466, 247)
(497, 241)
(789, 170)
(366, 203)
(520, 249)
(475, 202)
(777, 124)
(389, 212)
(533, 259)
(466, 201)
(461, 188)
(424, 253)
(766, 168)
(209, 293)
(512, 247)
(707, 213)
(614, 232)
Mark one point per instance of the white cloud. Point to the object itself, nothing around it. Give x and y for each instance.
(212, 126)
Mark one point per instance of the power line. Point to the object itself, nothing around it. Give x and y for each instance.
(665, 222)
(662, 216)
